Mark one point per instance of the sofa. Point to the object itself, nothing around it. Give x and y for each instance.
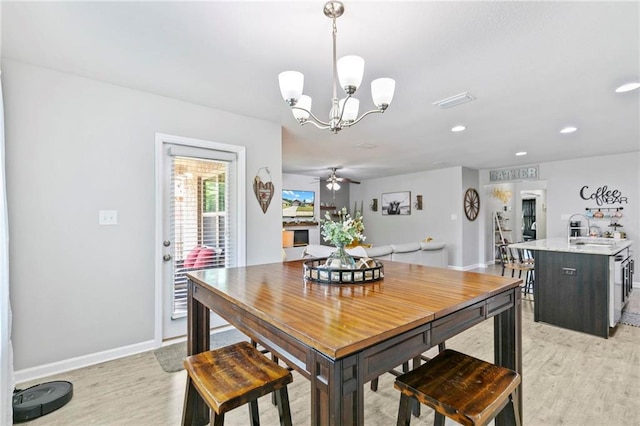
(431, 253)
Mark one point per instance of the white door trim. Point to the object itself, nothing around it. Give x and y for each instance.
(240, 151)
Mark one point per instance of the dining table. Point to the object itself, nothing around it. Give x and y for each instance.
(341, 336)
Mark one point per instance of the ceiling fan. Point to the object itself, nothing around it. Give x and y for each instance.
(334, 181)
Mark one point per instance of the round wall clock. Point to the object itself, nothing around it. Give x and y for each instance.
(471, 204)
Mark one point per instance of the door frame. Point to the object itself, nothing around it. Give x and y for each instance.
(160, 140)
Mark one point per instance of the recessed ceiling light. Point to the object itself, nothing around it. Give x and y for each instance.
(569, 129)
(458, 128)
(521, 153)
(627, 87)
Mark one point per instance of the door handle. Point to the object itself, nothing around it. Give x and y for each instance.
(166, 257)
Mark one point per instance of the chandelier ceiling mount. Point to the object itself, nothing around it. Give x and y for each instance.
(348, 70)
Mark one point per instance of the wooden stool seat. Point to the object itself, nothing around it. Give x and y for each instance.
(234, 375)
(465, 389)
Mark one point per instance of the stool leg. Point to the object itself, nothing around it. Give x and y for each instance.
(404, 410)
(189, 416)
(273, 395)
(414, 402)
(284, 410)
(514, 407)
(439, 419)
(254, 417)
(374, 384)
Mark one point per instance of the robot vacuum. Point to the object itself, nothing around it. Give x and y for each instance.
(39, 400)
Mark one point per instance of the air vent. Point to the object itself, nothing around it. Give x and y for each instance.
(454, 100)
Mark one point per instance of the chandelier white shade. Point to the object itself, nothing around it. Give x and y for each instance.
(349, 71)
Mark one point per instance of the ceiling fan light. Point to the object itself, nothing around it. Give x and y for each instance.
(350, 72)
(349, 108)
(628, 87)
(382, 90)
(291, 85)
(333, 186)
(303, 102)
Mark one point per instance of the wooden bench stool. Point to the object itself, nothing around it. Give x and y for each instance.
(232, 376)
(463, 388)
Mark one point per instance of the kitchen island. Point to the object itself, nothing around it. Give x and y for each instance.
(581, 283)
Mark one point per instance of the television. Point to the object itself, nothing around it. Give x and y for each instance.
(297, 203)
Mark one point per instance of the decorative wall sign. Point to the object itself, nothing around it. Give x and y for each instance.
(396, 203)
(603, 195)
(264, 190)
(471, 204)
(516, 173)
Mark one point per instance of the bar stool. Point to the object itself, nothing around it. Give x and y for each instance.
(232, 376)
(463, 388)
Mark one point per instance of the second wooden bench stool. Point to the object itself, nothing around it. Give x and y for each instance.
(463, 388)
(234, 375)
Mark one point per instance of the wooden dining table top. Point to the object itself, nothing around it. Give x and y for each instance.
(341, 319)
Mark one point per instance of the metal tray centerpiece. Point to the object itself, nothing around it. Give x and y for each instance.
(366, 270)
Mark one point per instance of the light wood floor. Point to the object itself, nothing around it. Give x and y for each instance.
(569, 378)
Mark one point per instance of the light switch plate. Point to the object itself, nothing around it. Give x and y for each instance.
(108, 217)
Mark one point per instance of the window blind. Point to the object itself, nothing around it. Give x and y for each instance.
(201, 217)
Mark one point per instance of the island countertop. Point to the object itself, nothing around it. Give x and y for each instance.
(586, 245)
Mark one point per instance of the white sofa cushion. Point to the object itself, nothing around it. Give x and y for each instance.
(380, 252)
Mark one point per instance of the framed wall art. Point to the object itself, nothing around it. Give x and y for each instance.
(396, 203)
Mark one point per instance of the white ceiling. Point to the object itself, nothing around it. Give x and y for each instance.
(533, 66)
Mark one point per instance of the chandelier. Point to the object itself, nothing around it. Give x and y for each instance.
(348, 70)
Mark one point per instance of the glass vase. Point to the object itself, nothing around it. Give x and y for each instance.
(340, 259)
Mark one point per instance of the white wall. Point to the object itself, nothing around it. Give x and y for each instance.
(76, 146)
(441, 217)
(563, 181)
(566, 178)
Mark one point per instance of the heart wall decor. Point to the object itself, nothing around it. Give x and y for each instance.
(264, 190)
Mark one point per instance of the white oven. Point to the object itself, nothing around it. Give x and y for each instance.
(615, 290)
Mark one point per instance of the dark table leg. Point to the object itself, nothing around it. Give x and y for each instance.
(508, 351)
(337, 391)
(196, 412)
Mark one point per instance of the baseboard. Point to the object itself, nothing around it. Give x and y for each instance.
(469, 267)
(58, 367)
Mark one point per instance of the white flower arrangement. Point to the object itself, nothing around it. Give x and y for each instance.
(343, 231)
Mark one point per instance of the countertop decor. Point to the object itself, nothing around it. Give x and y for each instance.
(365, 270)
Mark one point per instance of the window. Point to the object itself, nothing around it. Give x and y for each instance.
(199, 221)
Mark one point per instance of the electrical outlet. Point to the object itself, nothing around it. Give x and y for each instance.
(108, 217)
